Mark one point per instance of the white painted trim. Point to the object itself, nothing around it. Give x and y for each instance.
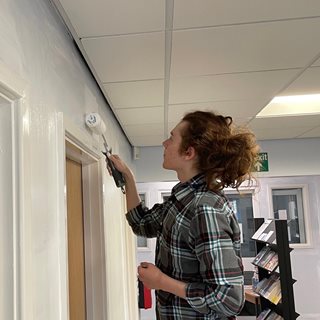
(12, 89)
(83, 139)
(8, 249)
(95, 241)
(92, 206)
(62, 227)
(16, 208)
(15, 89)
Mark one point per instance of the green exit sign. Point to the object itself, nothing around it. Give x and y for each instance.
(262, 164)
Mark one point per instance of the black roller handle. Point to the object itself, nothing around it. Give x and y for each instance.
(117, 175)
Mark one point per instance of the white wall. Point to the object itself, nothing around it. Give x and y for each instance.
(149, 166)
(292, 157)
(37, 55)
(286, 158)
(298, 159)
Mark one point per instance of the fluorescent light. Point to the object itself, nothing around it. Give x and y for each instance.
(291, 106)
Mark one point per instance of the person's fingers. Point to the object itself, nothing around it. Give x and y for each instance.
(140, 271)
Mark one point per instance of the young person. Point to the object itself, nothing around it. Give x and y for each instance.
(198, 270)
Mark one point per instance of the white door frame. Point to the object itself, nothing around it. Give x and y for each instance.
(12, 92)
(95, 267)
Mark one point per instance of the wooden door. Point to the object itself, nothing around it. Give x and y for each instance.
(76, 259)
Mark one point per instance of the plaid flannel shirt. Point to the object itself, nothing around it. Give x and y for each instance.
(198, 242)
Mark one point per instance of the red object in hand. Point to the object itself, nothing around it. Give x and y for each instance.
(145, 300)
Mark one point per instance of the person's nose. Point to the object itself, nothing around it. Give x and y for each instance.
(164, 143)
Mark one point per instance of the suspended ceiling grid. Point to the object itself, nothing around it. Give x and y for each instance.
(156, 60)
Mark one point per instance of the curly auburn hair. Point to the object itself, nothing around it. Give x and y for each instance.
(226, 153)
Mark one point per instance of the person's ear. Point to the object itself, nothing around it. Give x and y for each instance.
(190, 153)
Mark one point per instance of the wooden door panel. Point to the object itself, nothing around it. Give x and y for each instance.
(76, 259)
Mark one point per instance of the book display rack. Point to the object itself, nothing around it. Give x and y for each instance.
(273, 264)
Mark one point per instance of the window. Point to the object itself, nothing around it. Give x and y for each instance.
(242, 205)
(288, 203)
(142, 242)
(165, 196)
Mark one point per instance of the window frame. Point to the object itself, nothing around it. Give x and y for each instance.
(148, 247)
(248, 188)
(306, 209)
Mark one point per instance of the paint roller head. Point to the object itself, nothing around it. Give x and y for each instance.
(95, 123)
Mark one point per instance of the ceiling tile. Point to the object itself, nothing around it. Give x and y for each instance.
(145, 130)
(147, 141)
(242, 86)
(127, 58)
(195, 13)
(278, 133)
(307, 83)
(313, 133)
(136, 93)
(243, 48)
(283, 127)
(317, 63)
(140, 116)
(305, 121)
(100, 18)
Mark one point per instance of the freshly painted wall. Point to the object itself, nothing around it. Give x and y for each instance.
(55, 90)
(298, 159)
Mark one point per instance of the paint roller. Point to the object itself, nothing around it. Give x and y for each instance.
(96, 124)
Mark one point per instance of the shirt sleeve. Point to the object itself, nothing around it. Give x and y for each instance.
(146, 222)
(215, 235)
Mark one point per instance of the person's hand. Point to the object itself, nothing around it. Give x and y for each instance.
(150, 275)
(153, 278)
(119, 164)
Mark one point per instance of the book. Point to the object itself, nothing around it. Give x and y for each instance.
(271, 289)
(267, 285)
(274, 294)
(272, 264)
(273, 316)
(261, 284)
(261, 229)
(266, 232)
(264, 314)
(266, 258)
(260, 254)
(268, 236)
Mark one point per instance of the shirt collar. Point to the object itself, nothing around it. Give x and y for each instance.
(182, 189)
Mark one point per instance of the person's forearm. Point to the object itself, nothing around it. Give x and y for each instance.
(173, 286)
(132, 196)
